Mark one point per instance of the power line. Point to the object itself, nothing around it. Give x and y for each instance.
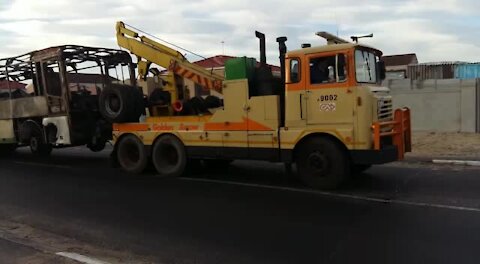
(169, 43)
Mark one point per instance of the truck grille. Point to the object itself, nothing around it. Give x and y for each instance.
(385, 110)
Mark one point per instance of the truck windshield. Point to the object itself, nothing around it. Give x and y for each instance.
(365, 66)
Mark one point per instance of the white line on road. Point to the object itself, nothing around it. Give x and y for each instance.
(42, 164)
(80, 258)
(457, 162)
(338, 195)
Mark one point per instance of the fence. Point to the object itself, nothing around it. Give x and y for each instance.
(448, 105)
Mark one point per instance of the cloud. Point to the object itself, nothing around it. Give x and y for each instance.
(435, 30)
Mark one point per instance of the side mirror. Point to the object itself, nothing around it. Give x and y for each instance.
(382, 70)
(331, 73)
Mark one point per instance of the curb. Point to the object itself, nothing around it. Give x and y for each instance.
(457, 162)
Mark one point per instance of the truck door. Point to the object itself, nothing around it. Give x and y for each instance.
(329, 99)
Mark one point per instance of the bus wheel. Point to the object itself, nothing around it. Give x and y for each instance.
(322, 163)
(169, 156)
(38, 145)
(131, 154)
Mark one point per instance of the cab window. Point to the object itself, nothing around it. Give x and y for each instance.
(293, 75)
(329, 69)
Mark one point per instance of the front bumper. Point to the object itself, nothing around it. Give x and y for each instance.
(400, 133)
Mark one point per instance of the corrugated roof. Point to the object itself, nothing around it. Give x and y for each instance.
(214, 62)
(400, 59)
(436, 63)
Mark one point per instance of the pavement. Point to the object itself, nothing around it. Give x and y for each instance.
(72, 205)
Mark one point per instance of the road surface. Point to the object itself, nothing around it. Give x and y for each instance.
(73, 205)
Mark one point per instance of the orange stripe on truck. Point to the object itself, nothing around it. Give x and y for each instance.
(246, 124)
(130, 127)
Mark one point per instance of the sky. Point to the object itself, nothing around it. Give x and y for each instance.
(436, 30)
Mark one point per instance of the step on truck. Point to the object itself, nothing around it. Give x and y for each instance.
(326, 113)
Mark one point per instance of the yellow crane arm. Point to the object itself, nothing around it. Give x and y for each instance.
(149, 51)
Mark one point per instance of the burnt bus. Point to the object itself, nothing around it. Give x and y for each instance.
(66, 96)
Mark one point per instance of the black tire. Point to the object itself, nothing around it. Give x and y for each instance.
(139, 104)
(159, 97)
(212, 101)
(322, 163)
(169, 156)
(27, 130)
(38, 146)
(121, 103)
(98, 146)
(132, 155)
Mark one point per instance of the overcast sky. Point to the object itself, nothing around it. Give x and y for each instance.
(436, 30)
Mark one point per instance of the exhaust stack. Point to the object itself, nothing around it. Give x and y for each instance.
(263, 56)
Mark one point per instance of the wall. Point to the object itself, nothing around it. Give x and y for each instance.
(448, 105)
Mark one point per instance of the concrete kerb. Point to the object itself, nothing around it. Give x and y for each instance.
(457, 162)
(462, 161)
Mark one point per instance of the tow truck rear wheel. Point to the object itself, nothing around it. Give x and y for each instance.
(322, 163)
(131, 154)
(169, 156)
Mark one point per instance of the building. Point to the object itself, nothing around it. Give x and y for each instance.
(397, 65)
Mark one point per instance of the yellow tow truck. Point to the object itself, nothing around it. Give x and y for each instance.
(327, 113)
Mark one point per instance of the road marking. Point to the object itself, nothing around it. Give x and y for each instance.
(42, 164)
(457, 162)
(80, 258)
(338, 195)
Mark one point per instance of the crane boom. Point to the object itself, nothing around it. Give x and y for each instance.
(149, 51)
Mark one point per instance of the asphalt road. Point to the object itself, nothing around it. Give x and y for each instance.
(249, 213)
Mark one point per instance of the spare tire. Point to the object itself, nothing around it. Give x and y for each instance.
(121, 103)
(139, 103)
(212, 101)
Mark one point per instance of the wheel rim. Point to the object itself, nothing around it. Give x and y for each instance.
(319, 163)
(34, 144)
(130, 151)
(113, 104)
(167, 156)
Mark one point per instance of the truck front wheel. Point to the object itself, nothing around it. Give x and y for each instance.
(322, 163)
(132, 154)
(169, 156)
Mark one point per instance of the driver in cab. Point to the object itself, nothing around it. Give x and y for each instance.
(320, 71)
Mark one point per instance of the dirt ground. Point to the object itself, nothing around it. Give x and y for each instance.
(442, 144)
